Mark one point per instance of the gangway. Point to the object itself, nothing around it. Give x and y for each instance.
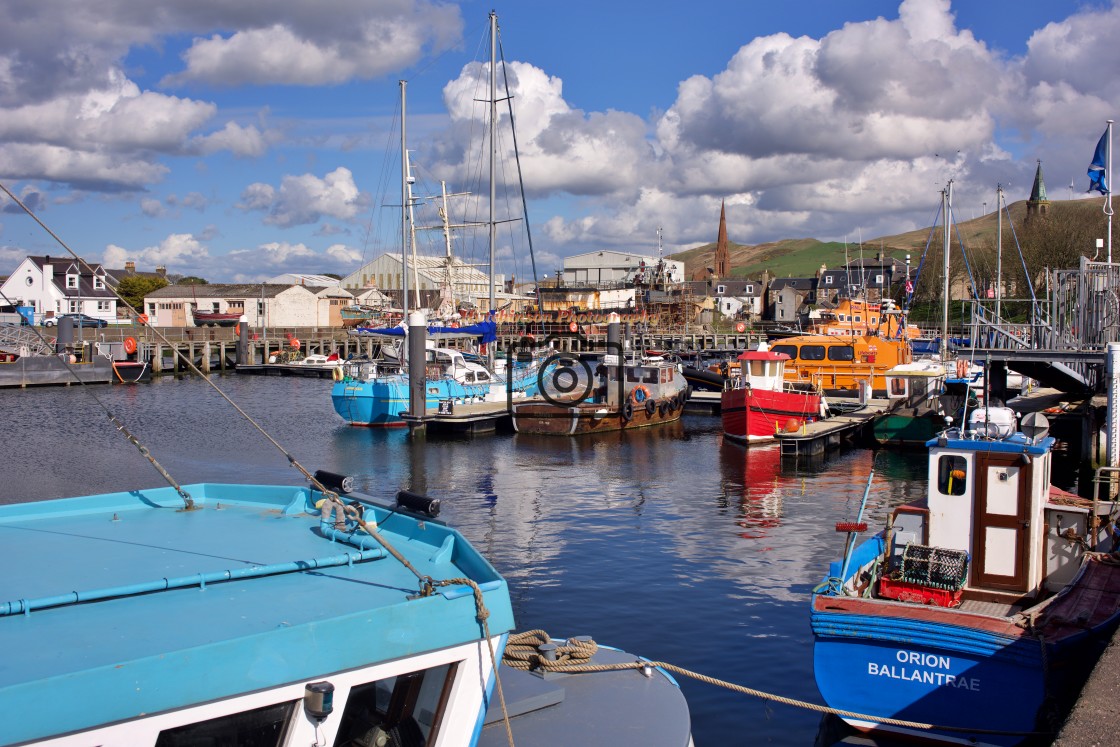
(24, 341)
(1063, 340)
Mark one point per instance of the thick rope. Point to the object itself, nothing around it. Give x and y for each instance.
(560, 667)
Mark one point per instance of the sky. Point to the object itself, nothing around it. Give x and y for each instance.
(238, 141)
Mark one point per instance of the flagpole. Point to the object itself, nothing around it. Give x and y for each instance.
(1108, 196)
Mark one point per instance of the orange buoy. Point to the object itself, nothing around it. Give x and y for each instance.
(573, 327)
(294, 342)
(740, 327)
(130, 345)
(143, 318)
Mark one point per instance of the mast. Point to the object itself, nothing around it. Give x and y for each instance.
(493, 163)
(409, 181)
(946, 207)
(404, 207)
(999, 248)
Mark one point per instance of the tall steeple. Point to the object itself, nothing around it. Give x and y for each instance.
(723, 257)
(1038, 204)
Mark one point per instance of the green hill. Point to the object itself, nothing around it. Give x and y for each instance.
(803, 257)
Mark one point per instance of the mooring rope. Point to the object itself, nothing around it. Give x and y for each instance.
(539, 661)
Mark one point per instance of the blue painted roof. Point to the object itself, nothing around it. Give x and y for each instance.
(77, 665)
(1016, 443)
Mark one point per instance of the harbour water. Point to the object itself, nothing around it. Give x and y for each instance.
(667, 542)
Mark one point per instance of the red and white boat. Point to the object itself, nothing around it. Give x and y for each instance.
(757, 403)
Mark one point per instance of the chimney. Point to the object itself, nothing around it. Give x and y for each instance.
(161, 271)
(130, 266)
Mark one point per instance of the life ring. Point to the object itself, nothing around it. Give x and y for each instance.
(962, 368)
(639, 394)
(142, 319)
(130, 345)
(336, 374)
(651, 407)
(573, 327)
(294, 343)
(740, 328)
(627, 411)
(237, 329)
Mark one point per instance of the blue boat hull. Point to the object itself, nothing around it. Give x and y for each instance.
(974, 681)
(382, 402)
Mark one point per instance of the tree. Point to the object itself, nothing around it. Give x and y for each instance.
(193, 280)
(134, 288)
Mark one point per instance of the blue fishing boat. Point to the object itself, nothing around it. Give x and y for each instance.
(273, 615)
(978, 608)
(376, 392)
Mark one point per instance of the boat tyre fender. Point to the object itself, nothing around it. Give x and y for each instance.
(639, 394)
(627, 411)
(651, 407)
(336, 374)
(130, 345)
(665, 406)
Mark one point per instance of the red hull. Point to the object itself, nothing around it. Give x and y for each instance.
(758, 414)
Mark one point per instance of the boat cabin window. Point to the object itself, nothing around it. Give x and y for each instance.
(790, 350)
(482, 376)
(811, 352)
(666, 375)
(643, 375)
(260, 727)
(402, 710)
(841, 353)
(758, 368)
(952, 474)
(897, 386)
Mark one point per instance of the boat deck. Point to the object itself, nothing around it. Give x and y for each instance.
(234, 596)
(832, 432)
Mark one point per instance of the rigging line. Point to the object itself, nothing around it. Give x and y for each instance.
(1022, 260)
(520, 177)
(922, 260)
(188, 502)
(178, 353)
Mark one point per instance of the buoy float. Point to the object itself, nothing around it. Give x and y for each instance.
(740, 327)
(294, 343)
(573, 327)
(130, 345)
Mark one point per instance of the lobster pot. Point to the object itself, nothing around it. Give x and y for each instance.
(934, 567)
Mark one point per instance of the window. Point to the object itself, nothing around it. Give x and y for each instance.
(750, 290)
(811, 353)
(73, 307)
(721, 290)
(828, 280)
(952, 474)
(841, 353)
(790, 350)
(98, 282)
(410, 707)
(878, 279)
(260, 308)
(71, 281)
(897, 386)
(237, 304)
(104, 306)
(260, 727)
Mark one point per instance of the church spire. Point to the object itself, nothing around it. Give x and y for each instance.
(723, 257)
(1038, 204)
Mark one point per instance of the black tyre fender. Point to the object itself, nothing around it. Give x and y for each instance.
(627, 411)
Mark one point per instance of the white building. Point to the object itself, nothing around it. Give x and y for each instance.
(263, 305)
(468, 282)
(53, 286)
(599, 268)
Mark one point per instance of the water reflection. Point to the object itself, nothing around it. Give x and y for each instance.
(663, 541)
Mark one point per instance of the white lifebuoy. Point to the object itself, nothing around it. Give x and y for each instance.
(336, 374)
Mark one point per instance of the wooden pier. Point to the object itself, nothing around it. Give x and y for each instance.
(816, 438)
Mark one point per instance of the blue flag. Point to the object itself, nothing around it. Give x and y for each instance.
(1097, 179)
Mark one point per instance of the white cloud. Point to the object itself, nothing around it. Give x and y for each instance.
(306, 198)
(238, 140)
(181, 253)
(321, 44)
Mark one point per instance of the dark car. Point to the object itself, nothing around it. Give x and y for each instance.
(80, 320)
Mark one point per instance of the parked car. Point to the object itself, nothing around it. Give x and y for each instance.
(80, 320)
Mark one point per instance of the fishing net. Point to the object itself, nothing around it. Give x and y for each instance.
(934, 566)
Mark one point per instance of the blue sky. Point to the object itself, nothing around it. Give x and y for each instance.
(237, 141)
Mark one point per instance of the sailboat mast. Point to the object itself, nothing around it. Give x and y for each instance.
(946, 207)
(999, 248)
(404, 206)
(493, 133)
(412, 235)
